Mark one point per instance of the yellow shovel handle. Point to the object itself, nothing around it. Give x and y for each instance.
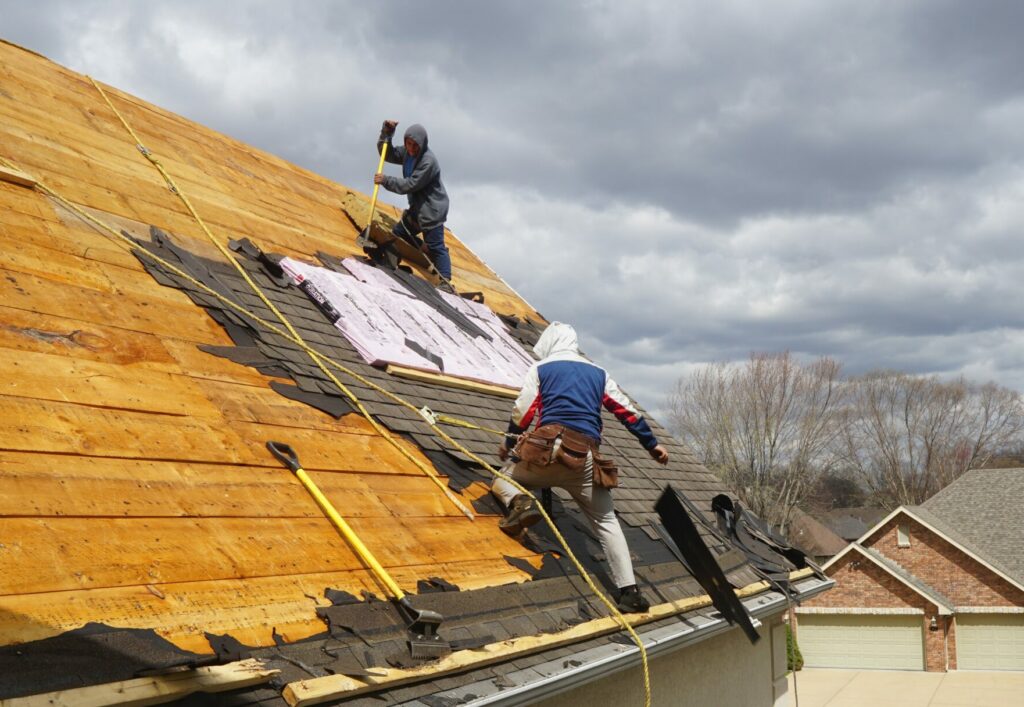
(376, 187)
(350, 535)
(287, 455)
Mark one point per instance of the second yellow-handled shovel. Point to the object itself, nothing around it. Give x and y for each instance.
(422, 624)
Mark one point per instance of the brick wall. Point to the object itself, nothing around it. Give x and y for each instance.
(862, 583)
(947, 569)
(950, 571)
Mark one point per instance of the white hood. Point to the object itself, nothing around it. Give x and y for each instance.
(557, 341)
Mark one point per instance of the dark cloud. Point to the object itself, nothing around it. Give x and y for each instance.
(684, 182)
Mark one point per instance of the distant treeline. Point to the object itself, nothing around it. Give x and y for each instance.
(781, 432)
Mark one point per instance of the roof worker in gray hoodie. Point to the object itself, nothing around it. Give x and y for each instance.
(428, 201)
(567, 392)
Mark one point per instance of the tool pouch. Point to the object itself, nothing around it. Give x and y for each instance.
(554, 443)
(539, 446)
(573, 450)
(606, 473)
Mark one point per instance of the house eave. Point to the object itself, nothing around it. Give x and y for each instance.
(598, 663)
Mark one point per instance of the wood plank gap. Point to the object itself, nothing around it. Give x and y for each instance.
(269, 466)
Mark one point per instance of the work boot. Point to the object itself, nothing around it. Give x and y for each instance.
(522, 513)
(632, 601)
(446, 286)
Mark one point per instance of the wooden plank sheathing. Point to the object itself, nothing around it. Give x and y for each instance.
(135, 487)
(60, 554)
(87, 121)
(48, 485)
(249, 609)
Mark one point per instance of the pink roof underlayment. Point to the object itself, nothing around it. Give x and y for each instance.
(379, 316)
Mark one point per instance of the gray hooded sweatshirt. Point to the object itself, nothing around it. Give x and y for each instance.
(420, 180)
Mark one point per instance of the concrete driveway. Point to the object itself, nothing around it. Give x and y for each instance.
(821, 687)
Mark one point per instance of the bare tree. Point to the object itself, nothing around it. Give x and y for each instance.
(909, 436)
(766, 427)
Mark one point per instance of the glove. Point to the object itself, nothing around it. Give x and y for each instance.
(388, 128)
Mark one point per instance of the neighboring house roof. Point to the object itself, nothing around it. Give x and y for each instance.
(945, 532)
(812, 536)
(982, 510)
(136, 489)
(851, 523)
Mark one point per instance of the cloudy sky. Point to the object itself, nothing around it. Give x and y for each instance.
(685, 182)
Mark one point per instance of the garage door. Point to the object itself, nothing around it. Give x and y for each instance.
(990, 642)
(860, 641)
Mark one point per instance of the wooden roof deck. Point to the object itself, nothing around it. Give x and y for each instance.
(134, 485)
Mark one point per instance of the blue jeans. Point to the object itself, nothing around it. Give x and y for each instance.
(407, 229)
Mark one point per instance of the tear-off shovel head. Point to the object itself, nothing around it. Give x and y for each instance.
(424, 642)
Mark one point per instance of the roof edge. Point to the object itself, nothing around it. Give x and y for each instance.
(26, 49)
(657, 642)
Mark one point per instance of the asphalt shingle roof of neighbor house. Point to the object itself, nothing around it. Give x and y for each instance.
(814, 537)
(143, 524)
(982, 511)
(852, 523)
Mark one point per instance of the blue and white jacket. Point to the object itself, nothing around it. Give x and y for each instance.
(565, 388)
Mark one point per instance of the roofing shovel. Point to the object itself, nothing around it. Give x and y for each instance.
(421, 624)
(364, 240)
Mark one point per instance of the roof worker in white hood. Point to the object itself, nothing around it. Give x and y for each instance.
(566, 392)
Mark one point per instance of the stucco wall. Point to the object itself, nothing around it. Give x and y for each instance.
(724, 670)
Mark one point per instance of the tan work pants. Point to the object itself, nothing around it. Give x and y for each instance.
(596, 504)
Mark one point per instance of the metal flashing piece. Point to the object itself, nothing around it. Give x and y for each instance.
(706, 570)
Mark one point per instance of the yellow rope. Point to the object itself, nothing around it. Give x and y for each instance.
(291, 330)
(321, 361)
(448, 420)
